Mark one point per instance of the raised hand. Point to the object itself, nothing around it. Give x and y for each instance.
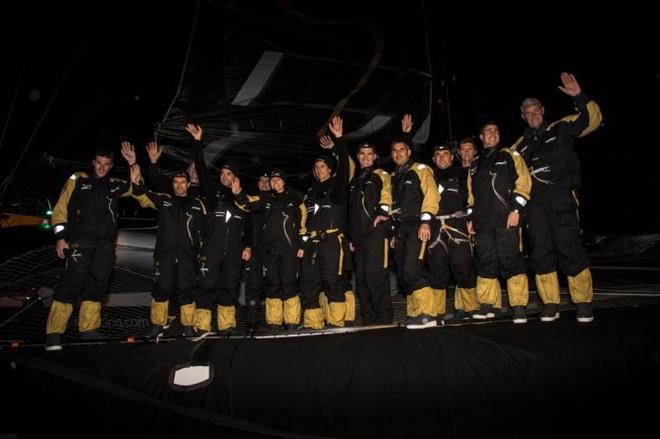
(128, 152)
(326, 142)
(571, 86)
(135, 174)
(236, 186)
(406, 123)
(195, 131)
(337, 126)
(154, 152)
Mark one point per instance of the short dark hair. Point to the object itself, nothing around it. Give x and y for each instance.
(368, 145)
(230, 165)
(105, 153)
(181, 173)
(467, 139)
(399, 140)
(485, 124)
(327, 159)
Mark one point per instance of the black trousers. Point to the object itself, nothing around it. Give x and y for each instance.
(556, 236)
(255, 283)
(372, 279)
(499, 252)
(321, 271)
(221, 277)
(88, 270)
(281, 270)
(175, 277)
(409, 258)
(450, 254)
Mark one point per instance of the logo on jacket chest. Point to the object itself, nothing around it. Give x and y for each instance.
(227, 215)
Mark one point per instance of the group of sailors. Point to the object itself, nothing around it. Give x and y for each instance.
(441, 221)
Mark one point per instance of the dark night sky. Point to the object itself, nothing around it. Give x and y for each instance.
(130, 61)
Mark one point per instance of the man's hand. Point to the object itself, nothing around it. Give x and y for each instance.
(247, 254)
(128, 152)
(406, 123)
(236, 186)
(424, 232)
(512, 220)
(393, 242)
(154, 152)
(135, 174)
(60, 247)
(337, 126)
(300, 254)
(571, 86)
(195, 131)
(326, 142)
(470, 228)
(350, 245)
(379, 219)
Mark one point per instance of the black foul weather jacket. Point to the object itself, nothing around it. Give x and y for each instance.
(548, 150)
(498, 183)
(88, 207)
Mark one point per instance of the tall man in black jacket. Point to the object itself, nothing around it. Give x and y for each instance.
(85, 226)
(370, 206)
(552, 217)
(227, 243)
(498, 191)
(180, 233)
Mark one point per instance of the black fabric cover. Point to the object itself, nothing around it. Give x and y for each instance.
(461, 381)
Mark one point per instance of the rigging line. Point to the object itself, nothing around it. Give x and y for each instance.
(446, 87)
(21, 311)
(624, 293)
(362, 82)
(617, 268)
(185, 65)
(428, 56)
(82, 118)
(43, 117)
(376, 58)
(13, 99)
(229, 377)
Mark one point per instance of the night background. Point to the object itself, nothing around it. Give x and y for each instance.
(77, 77)
(112, 70)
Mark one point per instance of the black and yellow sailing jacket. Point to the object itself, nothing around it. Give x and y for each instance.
(326, 201)
(180, 221)
(548, 150)
(415, 195)
(370, 195)
(498, 183)
(227, 225)
(88, 206)
(452, 187)
(284, 215)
